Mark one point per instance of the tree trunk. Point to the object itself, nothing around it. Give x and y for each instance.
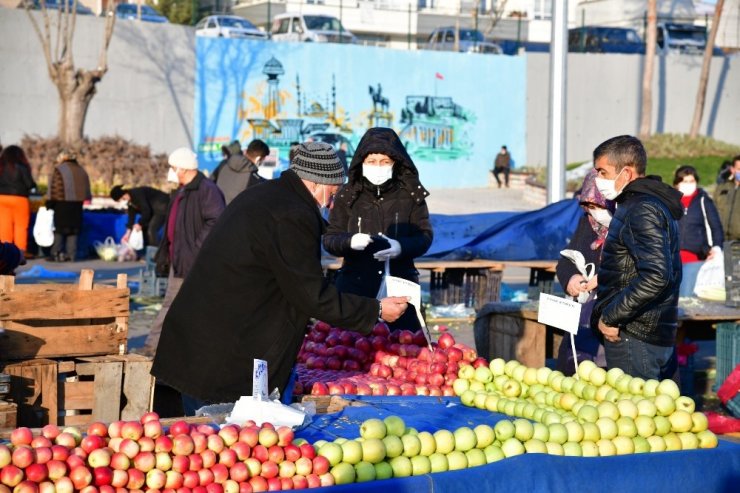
(651, 36)
(701, 93)
(76, 90)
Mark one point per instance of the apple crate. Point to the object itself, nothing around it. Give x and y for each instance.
(8, 415)
(63, 320)
(728, 350)
(81, 390)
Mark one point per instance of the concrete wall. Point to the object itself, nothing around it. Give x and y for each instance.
(146, 96)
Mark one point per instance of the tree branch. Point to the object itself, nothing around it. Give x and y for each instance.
(71, 32)
(110, 20)
(44, 38)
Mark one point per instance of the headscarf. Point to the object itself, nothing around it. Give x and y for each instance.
(590, 195)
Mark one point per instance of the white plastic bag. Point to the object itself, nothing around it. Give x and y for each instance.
(43, 229)
(588, 271)
(383, 290)
(107, 250)
(136, 239)
(710, 281)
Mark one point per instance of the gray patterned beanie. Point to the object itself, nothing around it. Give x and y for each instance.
(317, 162)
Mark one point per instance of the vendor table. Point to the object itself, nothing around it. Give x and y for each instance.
(715, 470)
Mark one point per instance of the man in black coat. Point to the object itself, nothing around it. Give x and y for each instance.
(640, 275)
(255, 284)
(149, 204)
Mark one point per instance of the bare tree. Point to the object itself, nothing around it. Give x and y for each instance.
(651, 37)
(701, 93)
(76, 87)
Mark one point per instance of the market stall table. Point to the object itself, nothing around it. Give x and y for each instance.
(715, 470)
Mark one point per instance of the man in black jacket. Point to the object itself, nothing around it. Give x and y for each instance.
(640, 273)
(149, 204)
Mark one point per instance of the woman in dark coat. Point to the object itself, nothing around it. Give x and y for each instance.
(69, 187)
(16, 184)
(380, 213)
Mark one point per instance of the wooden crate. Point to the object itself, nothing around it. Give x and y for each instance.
(80, 391)
(8, 415)
(63, 320)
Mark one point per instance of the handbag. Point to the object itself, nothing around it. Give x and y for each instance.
(43, 229)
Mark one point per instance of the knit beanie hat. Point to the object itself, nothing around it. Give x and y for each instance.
(183, 158)
(317, 162)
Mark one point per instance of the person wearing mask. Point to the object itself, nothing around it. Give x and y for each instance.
(239, 171)
(380, 214)
(192, 212)
(255, 285)
(700, 229)
(640, 273)
(727, 199)
(69, 188)
(16, 184)
(149, 204)
(588, 239)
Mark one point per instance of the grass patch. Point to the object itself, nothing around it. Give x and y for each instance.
(706, 166)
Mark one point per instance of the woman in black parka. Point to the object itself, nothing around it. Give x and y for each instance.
(380, 213)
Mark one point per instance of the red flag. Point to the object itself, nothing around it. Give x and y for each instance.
(439, 76)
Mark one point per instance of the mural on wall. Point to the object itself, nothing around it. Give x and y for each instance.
(452, 111)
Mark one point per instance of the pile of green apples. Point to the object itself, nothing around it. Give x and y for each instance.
(388, 449)
(593, 413)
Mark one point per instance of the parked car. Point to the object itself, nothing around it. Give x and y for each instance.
(131, 11)
(228, 26)
(674, 37)
(310, 28)
(470, 41)
(59, 5)
(599, 39)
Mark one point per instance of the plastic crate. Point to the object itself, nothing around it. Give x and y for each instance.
(732, 273)
(733, 405)
(728, 350)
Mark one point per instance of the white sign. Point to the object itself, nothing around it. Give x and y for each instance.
(259, 380)
(559, 312)
(396, 286)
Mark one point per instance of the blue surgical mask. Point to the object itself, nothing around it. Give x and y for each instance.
(737, 175)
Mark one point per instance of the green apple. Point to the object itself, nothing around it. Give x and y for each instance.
(318, 444)
(558, 433)
(512, 388)
(555, 380)
(585, 368)
(490, 387)
(456, 460)
(589, 448)
(608, 410)
(483, 374)
(529, 410)
(577, 407)
(510, 407)
(519, 408)
(567, 401)
(626, 427)
(475, 457)
(530, 376)
(550, 417)
(689, 441)
(411, 445)
(534, 389)
(373, 450)
(680, 421)
(484, 435)
(568, 417)
(670, 388)
(612, 375)
(518, 373)
(567, 384)
(554, 448)
(646, 407)
(624, 445)
(543, 374)
(428, 443)
(497, 366)
(622, 384)
(699, 422)
(465, 439)
(591, 432)
(588, 414)
(364, 471)
(575, 431)
(477, 386)
(601, 392)
(332, 451)
(651, 388)
(606, 447)
(540, 432)
(480, 400)
(438, 462)
(607, 428)
(685, 403)
(401, 467)
(662, 425)
(534, 446)
(393, 446)
(672, 442)
(460, 385)
(552, 375)
(383, 470)
(637, 386)
(510, 365)
(420, 465)
(538, 414)
(612, 396)
(551, 397)
(645, 426)
(491, 403)
(707, 439)
(657, 444)
(344, 473)
(589, 392)
(410, 430)
(500, 380)
(372, 428)
(466, 371)
(572, 449)
(445, 441)
(665, 404)
(501, 404)
(493, 453)
(394, 425)
(523, 429)
(351, 452)
(512, 447)
(627, 408)
(597, 377)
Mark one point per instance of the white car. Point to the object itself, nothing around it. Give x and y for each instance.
(228, 26)
(310, 28)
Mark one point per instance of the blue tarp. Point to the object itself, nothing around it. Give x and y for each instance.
(715, 470)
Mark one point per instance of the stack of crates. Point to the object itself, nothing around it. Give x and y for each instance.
(149, 283)
(732, 273)
(728, 356)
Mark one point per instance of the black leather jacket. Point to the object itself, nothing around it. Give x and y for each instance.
(640, 269)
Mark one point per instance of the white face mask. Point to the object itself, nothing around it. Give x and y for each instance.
(601, 216)
(377, 175)
(687, 188)
(172, 176)
(607, 187)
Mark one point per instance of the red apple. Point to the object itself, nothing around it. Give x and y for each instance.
(155, 479)
(41, 441)
(320, 465)
(190, 479)
(23, 456)
(173, 479)
(239, 472)
(227, 457)
(206, 477)
(182, 445)
(242, 450)
(249, 435)
(136, 479)
(132, 429)
(181, 463)
(179, 428)
(43, 454)
(37, 472)
(145, 461)
(269, 469)
(119, 478)
(258, 483)
(153, 428)
(64, 485)
(50, 431)
(196, 462)
(21, 436)
(163, 444)
(229, 434)
(102, 476)
(220, 473)
(81, 477)
(445, 341)
(307, 450)
(149, 416)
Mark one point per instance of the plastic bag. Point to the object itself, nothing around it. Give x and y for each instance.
(588, 271)
(43, 229)
(136, 239)
(383, 291)
(710, 281)
(125, 253)
(107, 250)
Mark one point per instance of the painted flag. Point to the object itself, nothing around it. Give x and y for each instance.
(439, 76)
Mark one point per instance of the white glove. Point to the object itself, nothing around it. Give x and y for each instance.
(360, 241)
(392, 252)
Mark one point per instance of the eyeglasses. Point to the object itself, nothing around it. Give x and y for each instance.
(381, 162)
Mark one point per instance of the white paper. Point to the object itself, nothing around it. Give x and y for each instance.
(396, 286)
(259, 379)
(559, 312)
(264, 411)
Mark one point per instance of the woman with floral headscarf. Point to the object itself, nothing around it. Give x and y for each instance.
(588, 239)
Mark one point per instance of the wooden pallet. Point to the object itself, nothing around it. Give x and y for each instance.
(63, 320)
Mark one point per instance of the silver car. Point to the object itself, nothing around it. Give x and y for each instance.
(470, 41)
(310, 28)
(228, 26)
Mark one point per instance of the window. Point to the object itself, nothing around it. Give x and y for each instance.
(235, 22)
(211, 24)
(542, 9)
(297, 26)
(449, 36)
(322, 23)
(282, 26)
(201, 24)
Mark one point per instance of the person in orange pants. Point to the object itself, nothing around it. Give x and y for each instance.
(16, 184)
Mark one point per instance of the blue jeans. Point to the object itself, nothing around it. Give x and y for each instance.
(688, 279)
(640, 359)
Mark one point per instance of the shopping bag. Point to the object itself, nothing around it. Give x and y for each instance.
(710, 281)
(383, 290)
(107, 250)
(43, 229)
(136, 239)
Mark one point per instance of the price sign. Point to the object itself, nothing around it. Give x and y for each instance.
(559, 312)
(259, 380)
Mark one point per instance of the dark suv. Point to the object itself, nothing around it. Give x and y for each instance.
(597, 39)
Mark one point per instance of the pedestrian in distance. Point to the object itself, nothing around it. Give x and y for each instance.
(239, 171)
(16, 184)
(255, 285)
(640, 273)
(727, 200)
(502, 164)
(69, 188)
(149, 204)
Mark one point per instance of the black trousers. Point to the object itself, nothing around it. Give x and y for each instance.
(496, 172)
